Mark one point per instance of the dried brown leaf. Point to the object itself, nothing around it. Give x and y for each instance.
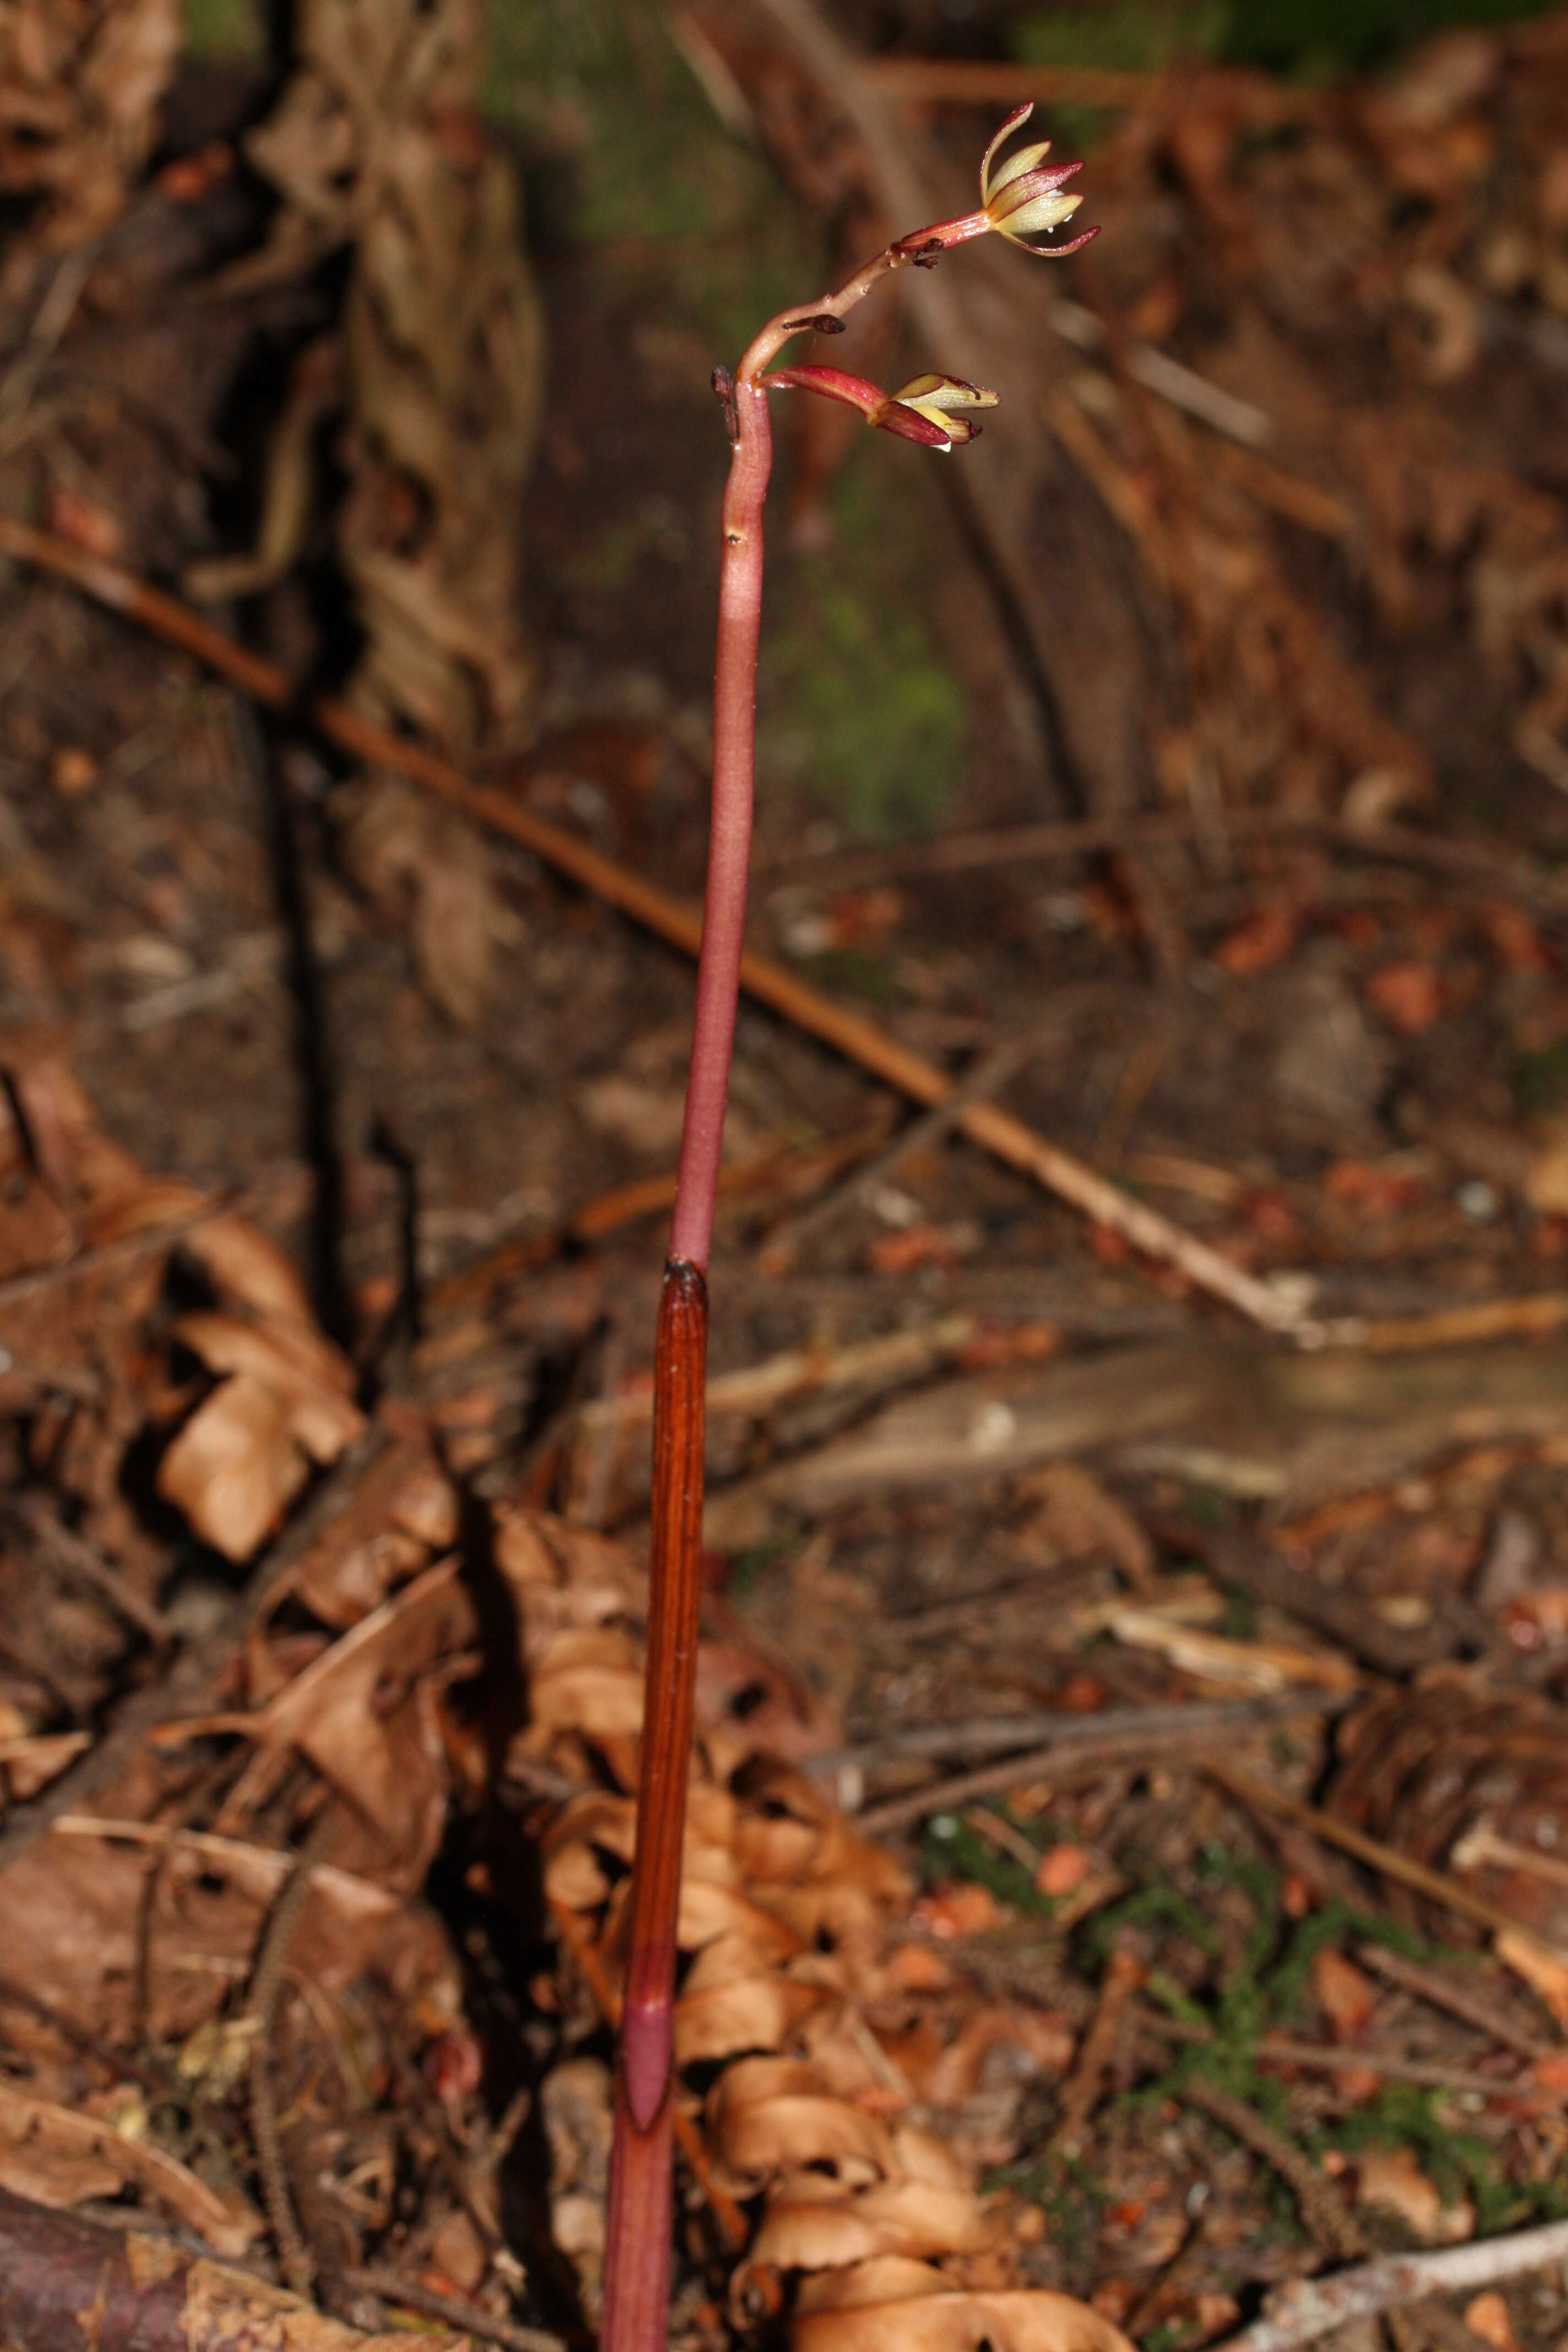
(768, 2115)
(59, 2157)
(364, 1713)
(246, 1450)
(896, 2309)
(1393, 2178)
(233, 1468)
(811, 2225)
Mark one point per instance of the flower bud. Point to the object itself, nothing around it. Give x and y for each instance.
(927, 410)
(941, 400)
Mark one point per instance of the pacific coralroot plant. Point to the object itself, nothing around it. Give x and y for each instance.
(1022, 199)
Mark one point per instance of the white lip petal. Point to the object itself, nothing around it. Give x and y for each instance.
(933, 416)
(1024, 158)
(1041, 213)
(1020, 116)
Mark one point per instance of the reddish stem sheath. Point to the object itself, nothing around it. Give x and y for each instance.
(636, 2275)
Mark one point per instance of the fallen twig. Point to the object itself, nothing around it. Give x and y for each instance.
(1008, 1138)
(1265, 1575)
(985, 1076)
(1325, 2216)
(874, 1365)
(1479, 862)
(1304, 2309)
(67, 2284)
(1123, 1979)
(1437, 1885)
(1324, 2058)
(183, 1689)
(267, 1988)
(1471, 2008)
(425, 2302)
(776, 1170)
(1133, 1738)
(73, 1558)
(977, 1733)
(278, 1192)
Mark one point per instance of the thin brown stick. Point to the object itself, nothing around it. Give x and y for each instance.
(1188, 1719)
(1305, 2309)
(452, 2310)
(1006, 1139)
(1072, 1748)
(1333, 2226)
(776, 1170)
(73, 1558)
(1458, 2000)
(1322, 2209)
(990, 1072)
(1534, 1317)
(1324, 2058)
(1479, 862)
(278, 1192)
(1081, 2092)
(1434, 1884)
(266, 1985)
(117, 2063)
(182, 1689)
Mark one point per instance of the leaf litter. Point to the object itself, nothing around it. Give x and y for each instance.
(315, 1959)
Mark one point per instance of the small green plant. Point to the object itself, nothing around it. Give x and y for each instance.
(1022, 199)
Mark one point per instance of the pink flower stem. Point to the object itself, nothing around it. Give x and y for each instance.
(730, 840)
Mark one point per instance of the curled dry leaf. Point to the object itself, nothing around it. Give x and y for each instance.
(59, 2157)
(907, 2308)
(245, 1451)
(363, 1713)
(404, 1512)
(807, 2227)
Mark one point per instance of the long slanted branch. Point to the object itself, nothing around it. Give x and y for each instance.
(994, 1131)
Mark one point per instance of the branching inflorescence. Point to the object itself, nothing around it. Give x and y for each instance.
(1022, 199)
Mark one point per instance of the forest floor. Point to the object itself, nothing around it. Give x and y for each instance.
(1114, 1605)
